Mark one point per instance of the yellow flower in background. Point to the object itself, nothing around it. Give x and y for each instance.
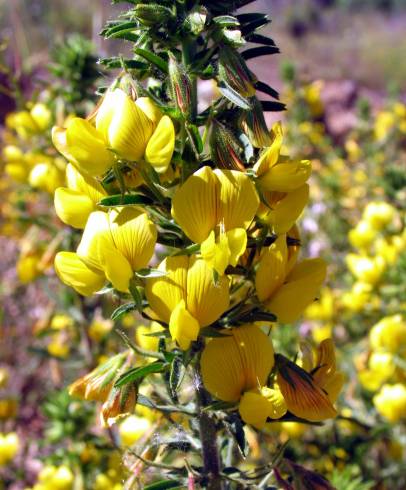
(47, 174)
(121, 128)
(323, 308)
(9, 445)
(312, 95)
(100, 328)
(310, 391)
(133, 428)
(215, 208)
(279, 173)
(286, 288)
(384, 123)
(282, 209)
(143, 338)
(358, 297)
(389, 334)
(29, 123)
(114, 245)
(55, 478)
(363, 235)
(390, 402)
(379, 214)
(74, 203)
(235, 368)
(366, 269)
(186, 297)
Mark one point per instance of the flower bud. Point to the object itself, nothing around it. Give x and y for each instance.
(234, 71)
(255, 126)
(151, 14)
(181, 90)
(98, 384)
(121, 401)
(225, 148)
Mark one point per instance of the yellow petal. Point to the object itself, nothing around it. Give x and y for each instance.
(237, 243)
(85, 147)
(334, 385)
(74, 272)
(115, 265)
(271, 270)
(150, 109)
(88, 249)
(286, 176)
(129, 128)
(301, 288)
(237, 363)
(194, 205)
(184, 328)
(286, 211)
(85, 184)
(134, 235)
(277, 404)
(72, 207)
(254, 409)
(161, 145)
(325, 362)
(166, 292)
(238, 199)
(271, 155)
(205, 299)
(216, 253)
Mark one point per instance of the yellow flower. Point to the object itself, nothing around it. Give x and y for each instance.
(323, 309)
(56, 477)
(278, 173)
(235, 369)
(382, 364)
(100, 328)
(74, 203)
(29, 123)
(363, 235)
(144, 340)
(9, 445)
(358, 297)
(123, 128)
(215, 208)
(284, 287)
(379, 214)
(310, 392)
(389, 333)
(282, 209)
(366, 269)
(133, 428)
(114, 245)
(384, 123)
(187, 298)
(390, 402)
(46, 175)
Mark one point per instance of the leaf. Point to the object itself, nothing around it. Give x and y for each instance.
(251, 17)
(195, 138)
(123, 30)
(122, 310)
(226, 21)
(248, 54)
(271, 106)
(124, 200)
(150, 272)
(212, 332)
(176, 375)
(233, 96)
(134, 374)
(267, 89)
(152, 58)
(259, 39)
(250, 28)
(164, 484)
(145, 401)
(117, 62)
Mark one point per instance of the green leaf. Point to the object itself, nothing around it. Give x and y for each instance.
(117, 62)
(118, 29)
(122, 310)
(149, 272)
(164, 484)
(251, 27)
(145, 401)
(124, 200)
(152, 58)
(248, 54)
(138, 373)
(226, 21)
(267, 89)
(195, 138)
(259, 39)
(212, 332)
(233, 96)
(271, 106)
(176, 375)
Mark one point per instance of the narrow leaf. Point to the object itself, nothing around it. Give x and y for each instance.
(233, 96)
(260, 39)
(124, 200)
(267, 89)
(137, 373)
(152, 58)
(248, 54)
(122, 310)
(144, 273)
(271, 106)
(164, 484)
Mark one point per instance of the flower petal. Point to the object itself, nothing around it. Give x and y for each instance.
(254, 409)
(194, 205)
(270, 156)
(286, 175)
(184, 328)
(72, 207)
(216, 253)
(88, 250)
(150, 109)
(271, 270)
(74, 272)
(161, 145)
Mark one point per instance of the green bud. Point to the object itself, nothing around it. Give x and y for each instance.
(255, 126)
(196, 20)
(225, 148)
(180, 86)
(233, 70)
(151, 14)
